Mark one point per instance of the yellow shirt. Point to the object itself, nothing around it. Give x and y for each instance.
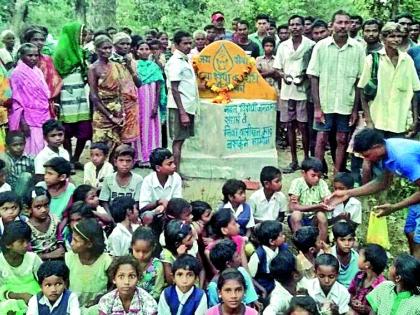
(337, 69)
(391, 108)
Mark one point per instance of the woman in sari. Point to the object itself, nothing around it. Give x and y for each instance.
(129, 81)
(30, 94)
(37, 37)
(75, 113)
(5, 102)
(151, 95)
(105, 93)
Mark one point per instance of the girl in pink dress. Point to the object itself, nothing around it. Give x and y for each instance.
(231, 287)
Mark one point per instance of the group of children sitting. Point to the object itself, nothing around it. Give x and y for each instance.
(121, 244)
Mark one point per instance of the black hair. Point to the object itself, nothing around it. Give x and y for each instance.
(376, 255)
(282, 26)
(262, 17)
(53, 268)
(187, 262)
(124, 150)
(179, 35)
(408, 268)
(198, 208)
(236, 19)
(222, 253)
(120, 206)
(267, 231)
(217, 12)
(343, 229)
(144, 233)
(268, 39)
(152, 42)
(303, 301)
(37, 191)
(59, 165)
(85, 211)
(152, 32)
(100, 32)
(327, 260)
(319, 23)
(177, 206)
(366, 138)
(126, 30)
(309, 18)
(11, 135)
(2, 165)
(207, 27)
(312, 163)
(111, 28)
(136, 40)
(283, 266)
(100, 146)
(273, 23)
(157, 156)
(405, 15)
(123, 260)
(24, 48)
(30, 32)
(81, 192)
(221, 219)
(9, 196)
(305, 238)
(160, 34)
(230, 274)
(51, 125)
(231, 187)
(345, 178)
(339, 12)
(14, 231)
(175, 231)
(296, 16)
(268, 173)
(357, 17)
(244, 22)
(91, 231)
(373, 22)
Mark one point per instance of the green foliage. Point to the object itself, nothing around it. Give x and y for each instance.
(170, 15)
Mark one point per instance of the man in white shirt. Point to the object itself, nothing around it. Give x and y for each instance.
(183, 96)
(293, 96)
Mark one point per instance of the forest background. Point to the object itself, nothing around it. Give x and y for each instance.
(170, 15)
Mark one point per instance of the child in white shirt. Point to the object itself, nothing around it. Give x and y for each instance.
(98, 168)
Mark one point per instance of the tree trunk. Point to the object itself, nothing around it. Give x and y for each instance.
(20, 13)
(394, 8)
(102, 13)
(80, 7)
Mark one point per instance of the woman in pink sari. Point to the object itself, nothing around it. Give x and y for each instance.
(30, 95)
(37, 36)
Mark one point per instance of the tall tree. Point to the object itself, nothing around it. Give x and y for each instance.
(102, 13)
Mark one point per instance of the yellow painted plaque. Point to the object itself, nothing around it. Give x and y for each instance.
(225, 69)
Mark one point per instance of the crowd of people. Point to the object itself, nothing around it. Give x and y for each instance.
(119, 243)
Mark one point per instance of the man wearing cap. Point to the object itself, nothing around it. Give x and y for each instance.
(218, 20)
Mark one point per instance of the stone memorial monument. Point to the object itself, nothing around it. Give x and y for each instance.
(235, 126)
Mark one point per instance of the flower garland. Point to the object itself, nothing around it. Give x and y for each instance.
(223, 93)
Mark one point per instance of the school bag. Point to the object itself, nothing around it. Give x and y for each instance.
(371, 88)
